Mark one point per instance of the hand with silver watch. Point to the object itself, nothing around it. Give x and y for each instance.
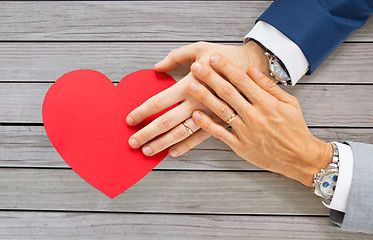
(325, 181)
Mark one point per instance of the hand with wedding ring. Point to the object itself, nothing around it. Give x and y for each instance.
(268, 128)
(176, 127)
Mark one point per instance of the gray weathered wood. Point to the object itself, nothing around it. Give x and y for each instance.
(323, 105)
(151, 209)
(25, 146)
(161, 191)
(134, 20)
(350, 63)
(57, 225)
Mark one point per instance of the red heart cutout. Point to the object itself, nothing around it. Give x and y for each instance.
(84, 115)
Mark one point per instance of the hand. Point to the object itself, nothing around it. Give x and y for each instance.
(269, 129)
(167, 130)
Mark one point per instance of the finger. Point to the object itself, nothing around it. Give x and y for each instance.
(177, 56)
(268, 85)
(238, 78)
(155, 104)
(192, 141)
(189, 143)
(223, 88)
(218, 131)
(175, 135)
(220, 108)
(160, 125)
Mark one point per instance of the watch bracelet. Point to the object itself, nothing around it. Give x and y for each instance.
(332, 167)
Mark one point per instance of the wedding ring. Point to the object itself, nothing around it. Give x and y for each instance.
(187, 128)
(231, 118)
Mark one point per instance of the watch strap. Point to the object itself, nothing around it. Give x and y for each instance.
(332, 169)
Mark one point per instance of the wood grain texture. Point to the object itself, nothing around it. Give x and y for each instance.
(57, 225)
(28, 146)
(321, 104)
(161, 191)
(208, 193)
(135, 20)
(350, 63)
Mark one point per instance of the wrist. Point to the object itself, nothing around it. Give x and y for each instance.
(255, 55)
(318, 156)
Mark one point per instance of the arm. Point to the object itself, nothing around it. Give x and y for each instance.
(316, 27)
(269, 131)
(359, 211)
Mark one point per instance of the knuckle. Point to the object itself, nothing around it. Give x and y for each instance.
(156, 103)
(158, 145)
(269, 106)
(240, 77)
(224, 64)
(272, 105)
(172, 53)
(219, 134)
(269, 84)
(144, 136)
(205, 96)
(226, 90)
(200, 44)
(181, 132)
(186, 146)
(223, 110)
(258, 98)
(164, 123)
(137, 115)
(207, 126)
(249, 113)
(208, 74)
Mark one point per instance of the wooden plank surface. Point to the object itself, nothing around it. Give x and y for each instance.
(161, 191)
(28, 146)
(134, 20)
(31, 62)
(57, 225)
(322, 105)
(209, 193)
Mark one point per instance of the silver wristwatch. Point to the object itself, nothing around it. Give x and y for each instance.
(325, 181)
(276, 68)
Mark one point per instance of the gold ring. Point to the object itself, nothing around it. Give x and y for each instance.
(187, 128)
(231, 118)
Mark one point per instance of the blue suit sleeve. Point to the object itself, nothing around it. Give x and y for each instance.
(318, 27)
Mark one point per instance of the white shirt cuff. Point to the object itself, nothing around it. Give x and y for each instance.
(343, 186)
(286, 50)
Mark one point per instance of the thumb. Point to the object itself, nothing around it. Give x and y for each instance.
(268, 85)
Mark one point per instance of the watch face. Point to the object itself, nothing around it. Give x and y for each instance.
(279, 71)
(328, 183)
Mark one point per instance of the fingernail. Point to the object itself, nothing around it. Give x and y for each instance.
(174, 153)
(196, 67)
(147, 150)
(130, 121)
(257, 72)
(197, 116)
(214, 58)
(133, 143)
(193, 87)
